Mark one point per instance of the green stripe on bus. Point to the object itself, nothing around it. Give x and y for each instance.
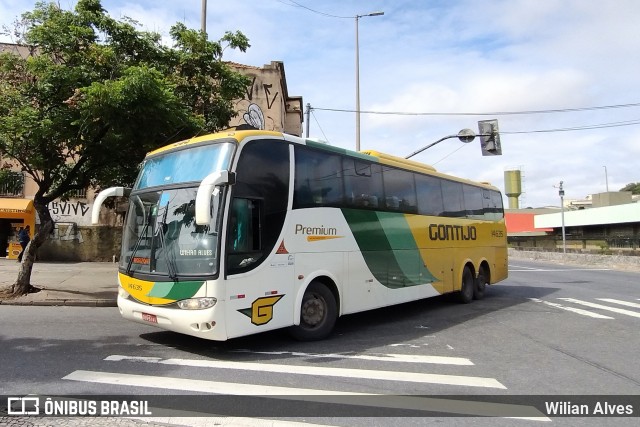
(174, 290)
(405, 249)
(388, 247)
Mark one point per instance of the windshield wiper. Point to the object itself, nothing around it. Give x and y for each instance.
(171, 267)
(137, 245)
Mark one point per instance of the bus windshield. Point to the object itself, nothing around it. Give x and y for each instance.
(188, 165)
(160, 234)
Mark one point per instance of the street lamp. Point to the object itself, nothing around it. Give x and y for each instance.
(357, 17)
(465, 135)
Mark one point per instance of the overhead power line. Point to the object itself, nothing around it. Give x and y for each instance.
(576, 128)
(296, 4)
(493, 113)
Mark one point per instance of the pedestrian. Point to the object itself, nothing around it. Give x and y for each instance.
(23, 239)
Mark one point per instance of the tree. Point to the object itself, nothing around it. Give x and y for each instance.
(634, 187)
(94, 94)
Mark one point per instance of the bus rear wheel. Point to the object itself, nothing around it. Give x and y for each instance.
(318, 314)
(465, 294)
(481, 283)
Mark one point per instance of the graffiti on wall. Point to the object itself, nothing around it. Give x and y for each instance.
(254, 117)
(255, 86)
(71, 211)
(258, 97)
(66, 231)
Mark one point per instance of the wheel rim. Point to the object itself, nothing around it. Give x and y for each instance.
(313, 311)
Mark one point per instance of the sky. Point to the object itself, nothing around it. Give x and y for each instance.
(562, 77)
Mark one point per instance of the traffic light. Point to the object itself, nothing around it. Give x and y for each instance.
(489, 138)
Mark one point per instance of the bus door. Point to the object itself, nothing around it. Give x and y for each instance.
(259, 274)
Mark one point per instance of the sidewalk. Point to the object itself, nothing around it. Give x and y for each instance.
(87, 284)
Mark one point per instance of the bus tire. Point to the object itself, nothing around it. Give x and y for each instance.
(481, 283)
(465, 295)
(318, 314)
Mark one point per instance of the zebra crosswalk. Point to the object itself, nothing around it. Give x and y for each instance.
(115, 370)
(597, 310)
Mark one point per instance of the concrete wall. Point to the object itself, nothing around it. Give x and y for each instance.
(611, 198)
(592, 260)
(70, 242)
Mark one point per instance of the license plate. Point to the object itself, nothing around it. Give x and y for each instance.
(149, 317)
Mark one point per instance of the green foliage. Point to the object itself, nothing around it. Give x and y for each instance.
(95, 94)
(634, 187)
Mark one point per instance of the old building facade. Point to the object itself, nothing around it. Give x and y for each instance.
(266, 105)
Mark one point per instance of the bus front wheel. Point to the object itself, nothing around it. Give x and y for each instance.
(468, 284)
(318, 314)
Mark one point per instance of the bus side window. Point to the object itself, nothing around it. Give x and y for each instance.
(363, 184)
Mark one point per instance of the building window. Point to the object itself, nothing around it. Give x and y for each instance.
(77, 194)
(11, 183)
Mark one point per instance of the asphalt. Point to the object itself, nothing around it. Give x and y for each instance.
(94, 284)
(85, 284)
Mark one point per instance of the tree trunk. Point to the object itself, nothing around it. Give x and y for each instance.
(23, 286)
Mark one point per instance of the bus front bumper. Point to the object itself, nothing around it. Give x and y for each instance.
(206, 323)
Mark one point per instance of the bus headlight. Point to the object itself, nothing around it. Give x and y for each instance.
(197, 303)
(122, 293)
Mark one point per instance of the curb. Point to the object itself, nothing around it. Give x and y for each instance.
(60, 302)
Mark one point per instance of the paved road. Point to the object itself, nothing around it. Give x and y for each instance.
(548, 330)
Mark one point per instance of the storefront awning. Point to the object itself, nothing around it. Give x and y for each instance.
(16, 208)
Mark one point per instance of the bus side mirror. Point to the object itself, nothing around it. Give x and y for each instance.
(205, 190)
(102, 196)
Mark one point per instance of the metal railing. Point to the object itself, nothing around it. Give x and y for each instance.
(11, 184)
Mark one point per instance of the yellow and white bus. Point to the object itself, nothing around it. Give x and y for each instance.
(246, 231)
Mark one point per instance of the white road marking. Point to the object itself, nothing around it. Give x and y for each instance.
(615, 301)
(572, 309)
(413, 377)
(603, 307)
(403, 358)
(326, 396)
(559, 270)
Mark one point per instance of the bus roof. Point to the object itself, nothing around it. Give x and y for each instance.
(370, 155)
(231, 133)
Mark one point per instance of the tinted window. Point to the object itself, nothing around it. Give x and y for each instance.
(318, 179)
(453, 198)
(399, 190)
(429, 195)
(498, 210)
(259, 203)
(473, 203)
(363, 184)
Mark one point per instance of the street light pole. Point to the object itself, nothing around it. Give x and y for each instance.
(465, 135)
(606, 178)
(564, 239)
(357, 17)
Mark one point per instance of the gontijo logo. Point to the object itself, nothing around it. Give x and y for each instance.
(317, 233)
(261, 311)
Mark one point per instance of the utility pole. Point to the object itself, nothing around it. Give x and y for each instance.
(203, 19)
(307, 119)
(357, 17)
